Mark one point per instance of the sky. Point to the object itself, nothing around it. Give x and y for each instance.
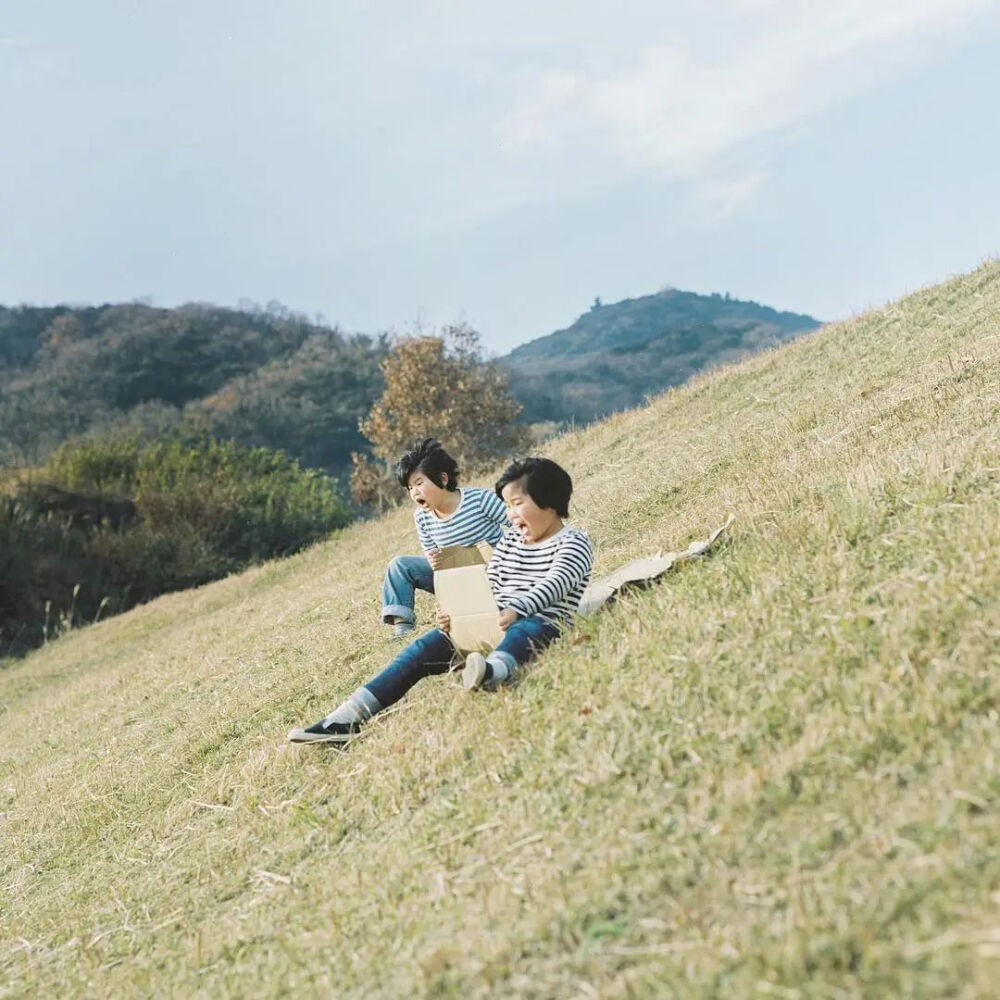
(401, 165)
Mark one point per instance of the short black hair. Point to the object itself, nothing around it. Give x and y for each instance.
(547, 483)
(427, 456)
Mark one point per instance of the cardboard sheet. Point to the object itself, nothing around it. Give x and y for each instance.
(641, 573)
(464, 593)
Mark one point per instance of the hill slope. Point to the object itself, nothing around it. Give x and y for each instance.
(614, 356)
(266, 377)
(776, 772)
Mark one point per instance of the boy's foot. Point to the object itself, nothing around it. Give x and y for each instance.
(402, 630)
(475, 672)
(325, 732)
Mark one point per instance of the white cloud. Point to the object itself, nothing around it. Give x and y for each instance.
(680, 114)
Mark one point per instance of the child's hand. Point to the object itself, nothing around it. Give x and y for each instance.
(434, 558)
(506, 618)
(443, 621)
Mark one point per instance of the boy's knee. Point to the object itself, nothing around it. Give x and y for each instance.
(400, 567)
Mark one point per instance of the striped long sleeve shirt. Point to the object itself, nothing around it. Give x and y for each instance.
(480, 516)
(547, 578)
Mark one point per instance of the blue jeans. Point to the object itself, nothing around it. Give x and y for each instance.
(402, 577)
(433, 653)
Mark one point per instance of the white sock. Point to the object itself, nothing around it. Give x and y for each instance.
(499, 671)
(360, 707)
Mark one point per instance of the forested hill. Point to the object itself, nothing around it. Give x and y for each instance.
(261, 377)
(615, 355)
(271, 377)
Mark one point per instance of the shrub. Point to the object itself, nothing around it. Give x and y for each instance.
(107, 524)
(250, 503)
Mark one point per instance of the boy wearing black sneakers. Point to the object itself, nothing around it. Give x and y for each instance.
(537, 574)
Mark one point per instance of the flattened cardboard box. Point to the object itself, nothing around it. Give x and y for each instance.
(641, 573)
(464, 593)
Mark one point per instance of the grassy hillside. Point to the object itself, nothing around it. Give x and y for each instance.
(776, 774)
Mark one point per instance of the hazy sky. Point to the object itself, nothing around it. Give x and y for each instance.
(394, 164)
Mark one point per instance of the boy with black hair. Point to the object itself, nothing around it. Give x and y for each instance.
(538, 574)
(446, 515)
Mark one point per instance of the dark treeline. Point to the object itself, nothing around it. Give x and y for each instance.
(272, 378)
(146, 450)
(265, 377)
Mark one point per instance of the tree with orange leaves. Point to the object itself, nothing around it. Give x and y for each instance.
(438, 386)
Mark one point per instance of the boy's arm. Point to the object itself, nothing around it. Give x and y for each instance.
(494, 509)
(423, 535)
(570, 568)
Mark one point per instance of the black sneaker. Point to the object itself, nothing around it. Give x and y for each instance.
(326, 732)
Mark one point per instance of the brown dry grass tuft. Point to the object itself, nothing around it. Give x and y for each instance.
(775, 774)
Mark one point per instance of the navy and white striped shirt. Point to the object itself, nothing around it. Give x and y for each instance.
(546, 578)
(480, 516)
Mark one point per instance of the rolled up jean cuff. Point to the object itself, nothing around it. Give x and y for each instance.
(502, 656)
(398, 611)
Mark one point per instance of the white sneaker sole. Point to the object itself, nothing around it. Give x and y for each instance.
(301, 736)
(474, 671)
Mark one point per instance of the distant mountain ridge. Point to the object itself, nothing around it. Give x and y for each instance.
(274, 378)
(615, 355)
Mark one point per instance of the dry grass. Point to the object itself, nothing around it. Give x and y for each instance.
(776, 774)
